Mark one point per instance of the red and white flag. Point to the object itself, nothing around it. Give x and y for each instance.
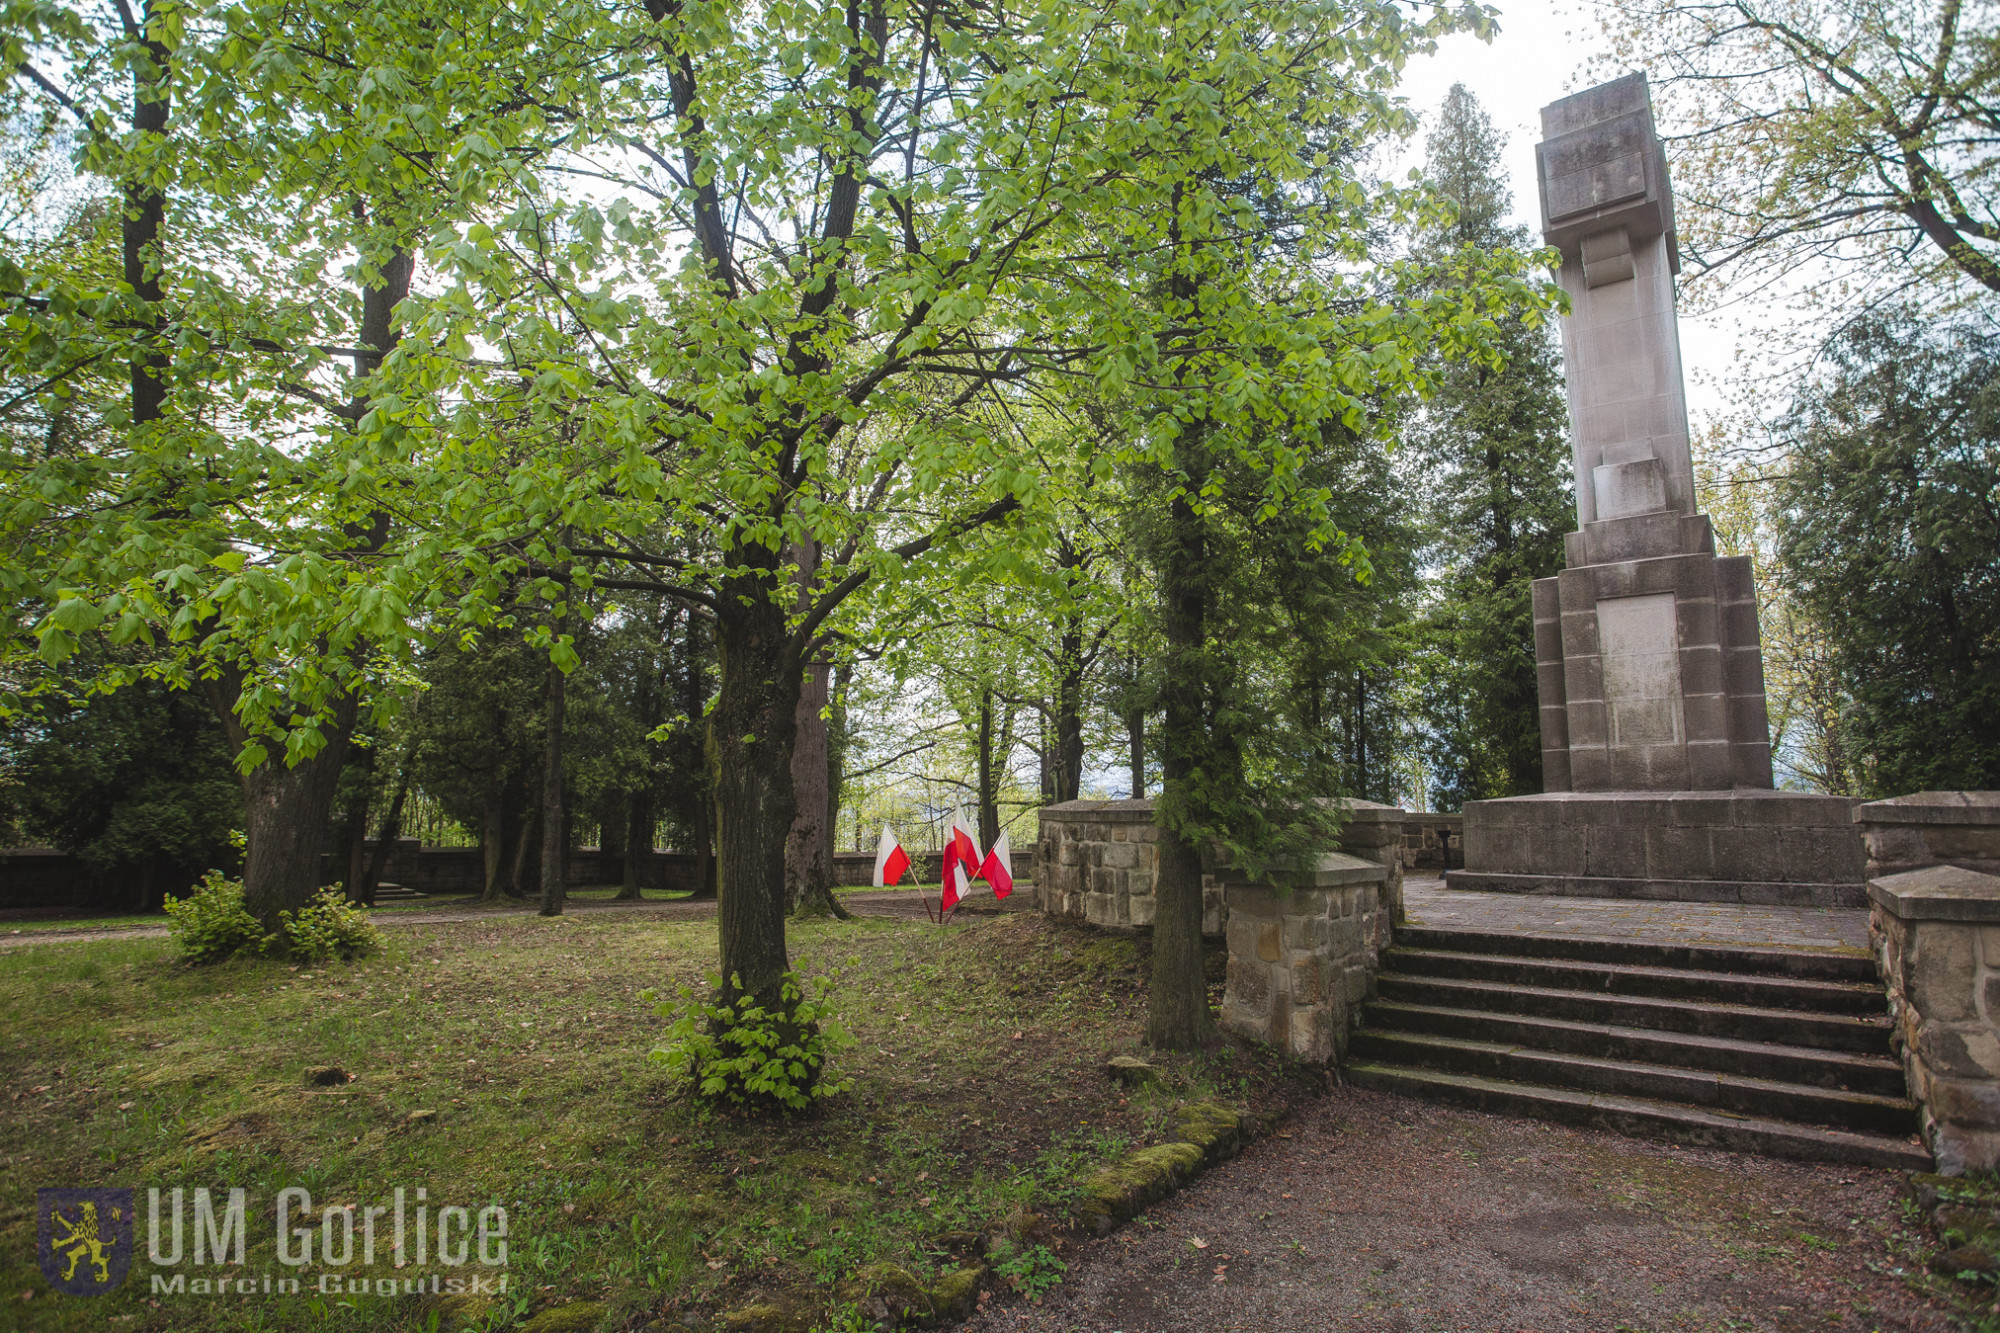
(998, 868)
(891, 861)
(961, 862)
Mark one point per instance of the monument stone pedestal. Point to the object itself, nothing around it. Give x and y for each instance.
(1656, 756)
(1769, 848)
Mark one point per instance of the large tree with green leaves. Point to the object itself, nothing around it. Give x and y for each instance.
(209, 381)
(1847, 144)
(1269, 321)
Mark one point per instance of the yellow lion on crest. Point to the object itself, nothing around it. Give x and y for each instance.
(84, 1238)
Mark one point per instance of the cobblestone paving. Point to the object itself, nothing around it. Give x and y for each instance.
(1427, 902)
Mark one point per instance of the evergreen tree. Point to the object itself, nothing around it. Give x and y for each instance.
(137, 782)
(1889, 539)
(1492, 454)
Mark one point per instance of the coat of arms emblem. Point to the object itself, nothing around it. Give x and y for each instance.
(83, 1238)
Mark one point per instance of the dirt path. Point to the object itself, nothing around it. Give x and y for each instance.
(887, 903)
(1381, 1213)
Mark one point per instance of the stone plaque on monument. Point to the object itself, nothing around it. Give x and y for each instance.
(1656, 749)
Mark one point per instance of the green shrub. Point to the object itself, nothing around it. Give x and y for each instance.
(330, 925)
(211, 923)
(1031, 1271)
(749, 1055)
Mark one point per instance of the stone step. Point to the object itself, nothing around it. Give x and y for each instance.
(1875, 1075)
(1644, 1117)
(396, 893)
(1867, 1034)
(1728, 1094)
(1823, 965)
(1761, 991)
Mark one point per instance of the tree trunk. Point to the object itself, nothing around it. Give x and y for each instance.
(1069, 719)
(705, 869)
(836, 756)
(1177, 1014)
(144, 213)
(286, 811)
(385, 841)
(493, 839)
(807, 845)
(554, 826)
(524, 852)
(1135, 735)
(751, 732)
(989, 782)
(809, 850)
(638, 846)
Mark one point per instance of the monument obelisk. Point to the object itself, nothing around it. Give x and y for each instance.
(1656, 749)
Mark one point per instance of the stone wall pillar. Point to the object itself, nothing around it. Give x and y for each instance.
(1374, 832)
(1934, 927)
(1936, 938)
(1301, 963)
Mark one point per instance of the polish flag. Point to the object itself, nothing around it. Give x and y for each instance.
(961, 861)
(998, 868)
(891, 861)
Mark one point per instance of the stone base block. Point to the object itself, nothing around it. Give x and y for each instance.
(1767, 848)
(1303, 962)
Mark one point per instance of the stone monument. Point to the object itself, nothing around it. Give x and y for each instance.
(1656, 754)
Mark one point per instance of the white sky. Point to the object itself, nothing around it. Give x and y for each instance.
(1537, 57)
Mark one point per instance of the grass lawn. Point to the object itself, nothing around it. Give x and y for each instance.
(503, 1061)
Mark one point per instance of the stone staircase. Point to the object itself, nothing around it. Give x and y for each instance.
(1760, 1050)
(396, 893)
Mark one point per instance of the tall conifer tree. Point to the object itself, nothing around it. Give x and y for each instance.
(1492, 452)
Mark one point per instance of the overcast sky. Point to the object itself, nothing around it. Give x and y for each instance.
(1538, 56)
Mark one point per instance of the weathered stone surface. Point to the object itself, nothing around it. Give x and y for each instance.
(1131, 1071)
(1960, 828)
(1736, 846)
(1096, 862)
(1928, 931)
(1302, 995)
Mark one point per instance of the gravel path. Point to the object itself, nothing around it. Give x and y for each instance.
(1382, 1213)
(1429, 903)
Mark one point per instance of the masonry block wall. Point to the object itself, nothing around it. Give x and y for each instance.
(1095, 862)
(1934, 928)
(1303, 962)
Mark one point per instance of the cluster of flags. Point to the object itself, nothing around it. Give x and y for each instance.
(962, 864)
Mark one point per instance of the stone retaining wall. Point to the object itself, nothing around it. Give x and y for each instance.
(1095, 862)
(1959, 828)
(1423, 840)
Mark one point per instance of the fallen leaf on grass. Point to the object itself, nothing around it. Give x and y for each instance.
(1199, 1243)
